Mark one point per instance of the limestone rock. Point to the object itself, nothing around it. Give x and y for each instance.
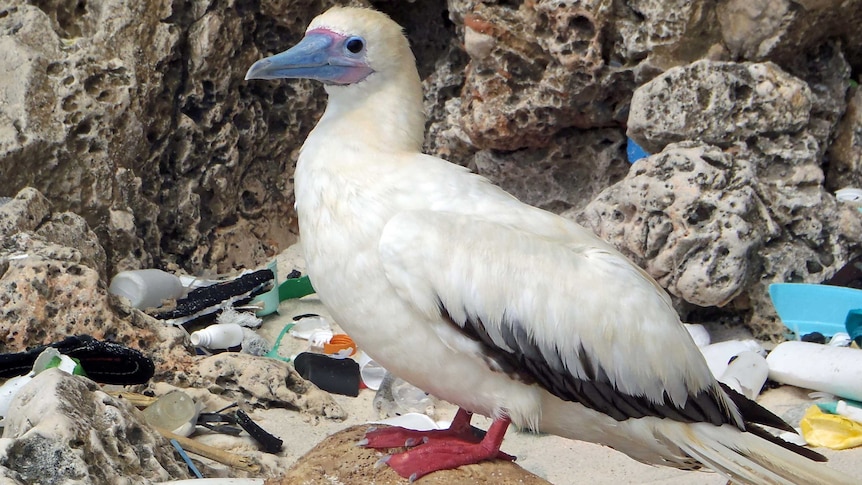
(337, 459)
(716, 227)
(782, 30)
(24, 212)
(718, 103)
(845, 153)
(51, 287)
(64, 429)
(536, 70)
(264, 382)
(688, 216)
(565, 175)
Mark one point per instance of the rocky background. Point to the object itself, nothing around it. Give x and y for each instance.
(135, 117)
(128, 139)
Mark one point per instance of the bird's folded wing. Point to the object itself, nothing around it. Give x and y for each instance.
(565, 312)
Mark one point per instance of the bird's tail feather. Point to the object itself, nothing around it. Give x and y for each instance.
(746, 458)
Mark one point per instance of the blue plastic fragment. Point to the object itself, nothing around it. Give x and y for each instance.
(806, 308)
(634, 152)
(186, 458)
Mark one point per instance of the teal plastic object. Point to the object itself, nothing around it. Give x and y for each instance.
(805, 308)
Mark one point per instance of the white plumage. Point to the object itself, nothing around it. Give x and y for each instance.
(499, 307)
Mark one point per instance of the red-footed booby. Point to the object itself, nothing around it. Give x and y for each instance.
(499, 307)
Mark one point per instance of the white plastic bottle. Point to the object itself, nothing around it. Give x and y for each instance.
(218, 336)
(826, 368)
(146, 288)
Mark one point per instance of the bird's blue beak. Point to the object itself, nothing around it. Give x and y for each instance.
(321, 55)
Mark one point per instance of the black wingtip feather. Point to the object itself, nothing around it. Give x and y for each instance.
(755, 413)
(799, 450)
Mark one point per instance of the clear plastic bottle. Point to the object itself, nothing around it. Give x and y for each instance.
(175, 411)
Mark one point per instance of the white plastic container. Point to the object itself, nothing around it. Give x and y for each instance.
(218, 336)
(371, 372)
(699, 333)
(836, 370)
(746, 374)
(146, 288)
(718, 355)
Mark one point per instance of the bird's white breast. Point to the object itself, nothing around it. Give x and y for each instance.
(343, 207)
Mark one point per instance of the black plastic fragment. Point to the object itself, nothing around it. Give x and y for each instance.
(270, 443)
(340, 376)
(207, 300)
(104, 362)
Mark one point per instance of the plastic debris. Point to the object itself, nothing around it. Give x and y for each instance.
(307, 326)
(49, 358)
(273, 352)
(205, 302)
(340, 346)
(242, 318)
(218, 336)
(853, 325)
(844, 407)
(269, 442)
(396, 396)
(414, 421)
(850, 195)
(719, 354)
(254, 344)
(268, 301)
(698, 333)
(830, 430)
(806, 308)
(634, 152)
(746, 373)
(371, 372)
(186, 458)
(295, 287)
(104, 362)
(339, 376)
(146, 288)
(818, 367)
(175, 411)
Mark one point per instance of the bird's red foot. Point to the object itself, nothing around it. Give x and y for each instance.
(439, 449)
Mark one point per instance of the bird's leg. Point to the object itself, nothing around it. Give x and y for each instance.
(447, 453)
(440, 449)
(396, 436)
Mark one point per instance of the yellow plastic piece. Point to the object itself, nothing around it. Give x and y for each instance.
(830, 430)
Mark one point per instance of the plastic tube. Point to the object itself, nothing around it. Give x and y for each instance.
(819, 367)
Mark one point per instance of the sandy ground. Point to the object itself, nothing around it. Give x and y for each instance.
(558, 460)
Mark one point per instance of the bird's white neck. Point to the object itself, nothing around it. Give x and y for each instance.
(384, 114)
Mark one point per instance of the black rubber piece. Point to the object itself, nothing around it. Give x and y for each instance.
(104, 362)
(269, 442)
(340, 376)
(207, 300)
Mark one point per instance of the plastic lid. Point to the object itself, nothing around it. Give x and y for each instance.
(338, 343)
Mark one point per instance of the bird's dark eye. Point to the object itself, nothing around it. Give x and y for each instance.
(355, 44)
